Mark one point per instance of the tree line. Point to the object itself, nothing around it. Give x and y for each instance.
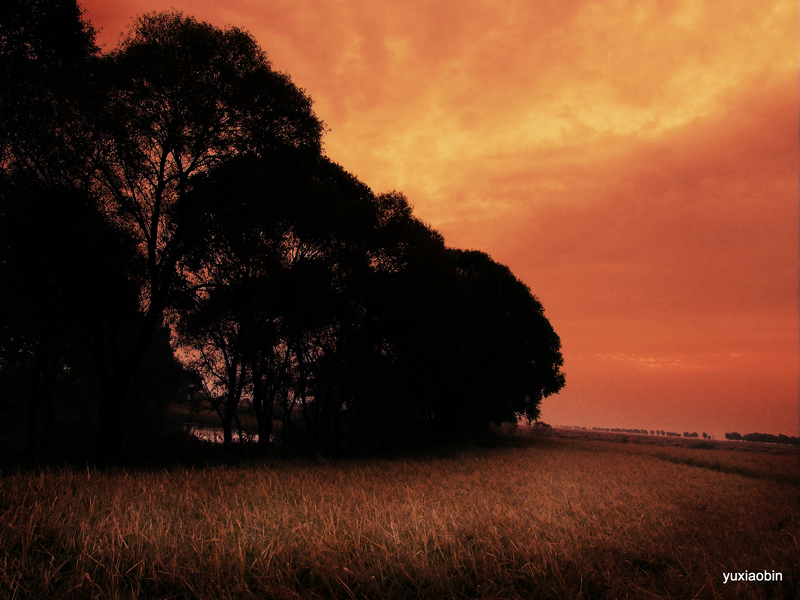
(173, 232)
(764, 438)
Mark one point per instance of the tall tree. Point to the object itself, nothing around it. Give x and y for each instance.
(70, 278)
(514, 359)
(64, 288)
(196, 172)
(283, 241)
(182, 96)
(47, 57)
(398, 355)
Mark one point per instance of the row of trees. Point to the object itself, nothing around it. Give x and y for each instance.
(621, 430)
(764, 438)
(651, 432)
(172, 229)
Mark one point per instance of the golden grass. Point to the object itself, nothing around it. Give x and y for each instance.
(555, 519)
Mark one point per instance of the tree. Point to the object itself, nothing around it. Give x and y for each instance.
(283, 240)
(47, 56)
(214, 340)
(47, 52)
(64, 289)
(452, 341)
(182, 97)
(312, 293)
(400, 356)
(514, 358)
(190, 178)
(71, 278)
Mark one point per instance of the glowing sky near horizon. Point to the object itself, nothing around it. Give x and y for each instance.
(634, 162)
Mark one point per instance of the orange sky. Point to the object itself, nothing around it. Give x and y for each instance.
(634, 162)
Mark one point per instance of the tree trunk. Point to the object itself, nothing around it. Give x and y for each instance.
(31, 438)
(115, 371)
(227, 430)
(48, 393)
(262, 404)
(42, 390)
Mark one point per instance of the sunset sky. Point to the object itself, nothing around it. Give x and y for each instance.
(634, 162)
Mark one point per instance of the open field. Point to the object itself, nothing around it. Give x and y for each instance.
(549, 517)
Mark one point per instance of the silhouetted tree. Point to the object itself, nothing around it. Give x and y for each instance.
(457, 342)
(284, 239)
(234, 274)
(47, 56)
(766, 438)
(183, 184)
(407, 336)
(65, 293)
(514, 358)
(182, 96)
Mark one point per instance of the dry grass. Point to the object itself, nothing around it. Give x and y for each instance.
(559, 518)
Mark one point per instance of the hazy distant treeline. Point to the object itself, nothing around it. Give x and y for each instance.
(749, 437)
(764, 438)
(171, 232)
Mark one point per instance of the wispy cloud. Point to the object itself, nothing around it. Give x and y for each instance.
(683, 361)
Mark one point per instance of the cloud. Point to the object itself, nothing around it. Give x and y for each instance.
(634, 161)
(709, 211)
(717, 360)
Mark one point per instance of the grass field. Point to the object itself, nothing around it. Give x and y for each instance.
(548, 517)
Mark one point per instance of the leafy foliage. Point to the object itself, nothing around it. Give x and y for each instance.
(174, 198)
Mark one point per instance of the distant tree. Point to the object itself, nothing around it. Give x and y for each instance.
(733, 436)
(768, 438)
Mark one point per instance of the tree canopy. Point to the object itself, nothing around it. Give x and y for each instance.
(171, 198)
